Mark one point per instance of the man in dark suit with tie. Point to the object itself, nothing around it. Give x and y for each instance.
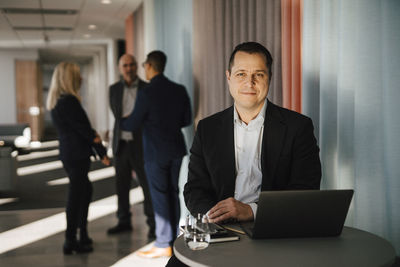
(127, 146)
(250, 147)
(162, 109)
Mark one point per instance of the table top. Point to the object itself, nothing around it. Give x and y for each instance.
(353, 247)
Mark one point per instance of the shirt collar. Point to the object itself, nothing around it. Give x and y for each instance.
(133, 85)
(260, 117)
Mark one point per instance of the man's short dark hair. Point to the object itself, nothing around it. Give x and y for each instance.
(157, 59)
(253, 48)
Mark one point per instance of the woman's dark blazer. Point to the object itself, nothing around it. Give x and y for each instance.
(75, 132)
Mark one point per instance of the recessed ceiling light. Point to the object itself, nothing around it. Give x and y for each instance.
(87, 35)
(92, 27)
(106, 2)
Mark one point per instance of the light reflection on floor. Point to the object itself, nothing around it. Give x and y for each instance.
(51, 225)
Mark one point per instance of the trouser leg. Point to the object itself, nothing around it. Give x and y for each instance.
(123, 183)
(158, 174)
(86, 198)
(77, 173)
(174, 195)
(138, 166)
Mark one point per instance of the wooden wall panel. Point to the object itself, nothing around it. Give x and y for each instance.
(29, 93)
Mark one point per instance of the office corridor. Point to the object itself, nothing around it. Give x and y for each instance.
(33, 219)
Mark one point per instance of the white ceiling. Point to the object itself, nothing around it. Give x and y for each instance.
(109, 19)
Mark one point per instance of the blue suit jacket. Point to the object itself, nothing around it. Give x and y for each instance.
(162, 109)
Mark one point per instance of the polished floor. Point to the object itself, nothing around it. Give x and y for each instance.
(32, 218)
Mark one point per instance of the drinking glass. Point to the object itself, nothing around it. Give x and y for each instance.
(197, 232)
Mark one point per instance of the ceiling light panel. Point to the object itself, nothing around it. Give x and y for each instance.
(59, 35)
(7, 35)
(84, 22)
(60, 20)
(94, 8)
(62, 4)
(128, 8)
(109, 19)
(20, 3)
(115, 31)
(4, 23)
(18, 20)
(30, 35)
(102, 16)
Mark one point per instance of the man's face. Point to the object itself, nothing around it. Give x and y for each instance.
(128, 68)
(248, 80)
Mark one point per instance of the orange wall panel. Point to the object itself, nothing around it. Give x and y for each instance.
(129, 34)
(29, 93)
(291, 53)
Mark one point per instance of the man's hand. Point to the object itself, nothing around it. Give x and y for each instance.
(230, 208)
(97, 139)
(105, 160)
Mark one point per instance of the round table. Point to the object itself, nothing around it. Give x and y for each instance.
(353, 247)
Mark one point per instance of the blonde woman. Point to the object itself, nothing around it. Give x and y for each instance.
(77, 142)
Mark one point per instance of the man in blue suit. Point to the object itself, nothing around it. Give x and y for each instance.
(162, 109)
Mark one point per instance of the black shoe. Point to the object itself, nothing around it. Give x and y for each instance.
(119, 228)
(84, 237)
(86, 240)
(74, 246)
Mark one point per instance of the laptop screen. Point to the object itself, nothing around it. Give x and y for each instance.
(305, 213)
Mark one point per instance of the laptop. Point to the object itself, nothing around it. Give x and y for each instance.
(306, 213)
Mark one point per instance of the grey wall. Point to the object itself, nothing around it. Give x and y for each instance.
(173, 30)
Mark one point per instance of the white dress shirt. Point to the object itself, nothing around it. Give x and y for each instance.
(248, 145)
(128, 103)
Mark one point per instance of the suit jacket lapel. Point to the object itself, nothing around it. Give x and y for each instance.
(119, 95)
(273, 139)
(226, 135)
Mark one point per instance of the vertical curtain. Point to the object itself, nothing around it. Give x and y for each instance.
(350, 88)
(218, 26)
(291, 54)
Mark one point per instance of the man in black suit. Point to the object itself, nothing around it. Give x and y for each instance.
(250, 147)
(162, 109)
(127, 146)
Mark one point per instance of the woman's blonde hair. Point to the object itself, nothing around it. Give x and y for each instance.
(66, 80)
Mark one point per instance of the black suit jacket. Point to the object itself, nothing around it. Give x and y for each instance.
(116, 93)
(289, 160)
(163, 108)
(75, 132)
